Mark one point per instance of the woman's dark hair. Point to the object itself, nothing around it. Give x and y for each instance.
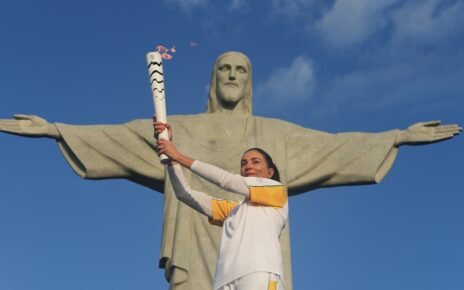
(269, 161)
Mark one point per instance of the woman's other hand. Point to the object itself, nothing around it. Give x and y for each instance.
(164, 146)
(160, 127)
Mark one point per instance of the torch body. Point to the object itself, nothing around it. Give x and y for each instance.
(155, 72)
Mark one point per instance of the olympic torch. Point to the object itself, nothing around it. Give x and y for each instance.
(155, 72)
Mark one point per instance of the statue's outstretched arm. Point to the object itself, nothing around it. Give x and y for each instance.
(29, 126)
(323, 159)
(318, 159)
(427, 132)
(98, 151)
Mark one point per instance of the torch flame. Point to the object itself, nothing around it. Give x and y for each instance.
(165, 52)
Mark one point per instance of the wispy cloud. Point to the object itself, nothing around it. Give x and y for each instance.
(349, 23)
(288, 85)
(188, 5)
(417, 83)
(290, 8)
(219, 19)
(405, 53)
(427, 22)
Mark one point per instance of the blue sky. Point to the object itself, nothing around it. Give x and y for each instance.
(353, 65)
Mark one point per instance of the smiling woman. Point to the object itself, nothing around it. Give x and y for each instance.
(249, 253)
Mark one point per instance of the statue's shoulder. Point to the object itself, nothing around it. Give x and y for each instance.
(198, 120)
(180, 124)
(274, 122)
(138, 124)
(187, 118)
(290, 128)
(278, 123)
(171, 119)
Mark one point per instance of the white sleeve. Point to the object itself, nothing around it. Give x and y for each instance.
(228, 181)
(197, 200)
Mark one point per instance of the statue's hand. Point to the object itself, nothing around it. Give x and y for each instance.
(427, 132)
(29, 126)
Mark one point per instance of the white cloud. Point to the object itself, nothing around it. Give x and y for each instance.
(405, 53)
(288, 85)
(349, 23)
(427, 22)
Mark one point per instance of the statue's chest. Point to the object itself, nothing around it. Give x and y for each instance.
(219, 142)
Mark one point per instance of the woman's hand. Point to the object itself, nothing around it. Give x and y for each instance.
(160, 127)
(164, 146)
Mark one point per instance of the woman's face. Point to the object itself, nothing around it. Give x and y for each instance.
(254, 164)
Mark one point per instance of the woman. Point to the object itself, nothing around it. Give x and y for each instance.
(249, 255)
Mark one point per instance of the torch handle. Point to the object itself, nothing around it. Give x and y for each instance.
(155, 72)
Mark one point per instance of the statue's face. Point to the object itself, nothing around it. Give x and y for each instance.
(232, 77)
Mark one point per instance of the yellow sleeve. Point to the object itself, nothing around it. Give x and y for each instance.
(220, 210)
(275, 196)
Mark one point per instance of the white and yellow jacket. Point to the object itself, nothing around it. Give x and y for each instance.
(251, 228)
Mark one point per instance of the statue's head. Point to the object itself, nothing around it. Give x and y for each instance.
(231, 87)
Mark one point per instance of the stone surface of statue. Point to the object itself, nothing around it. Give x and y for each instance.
(307, 159)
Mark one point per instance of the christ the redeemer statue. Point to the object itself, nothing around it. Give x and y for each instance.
(307, 159)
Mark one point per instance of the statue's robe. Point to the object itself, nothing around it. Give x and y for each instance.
(307, 159)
